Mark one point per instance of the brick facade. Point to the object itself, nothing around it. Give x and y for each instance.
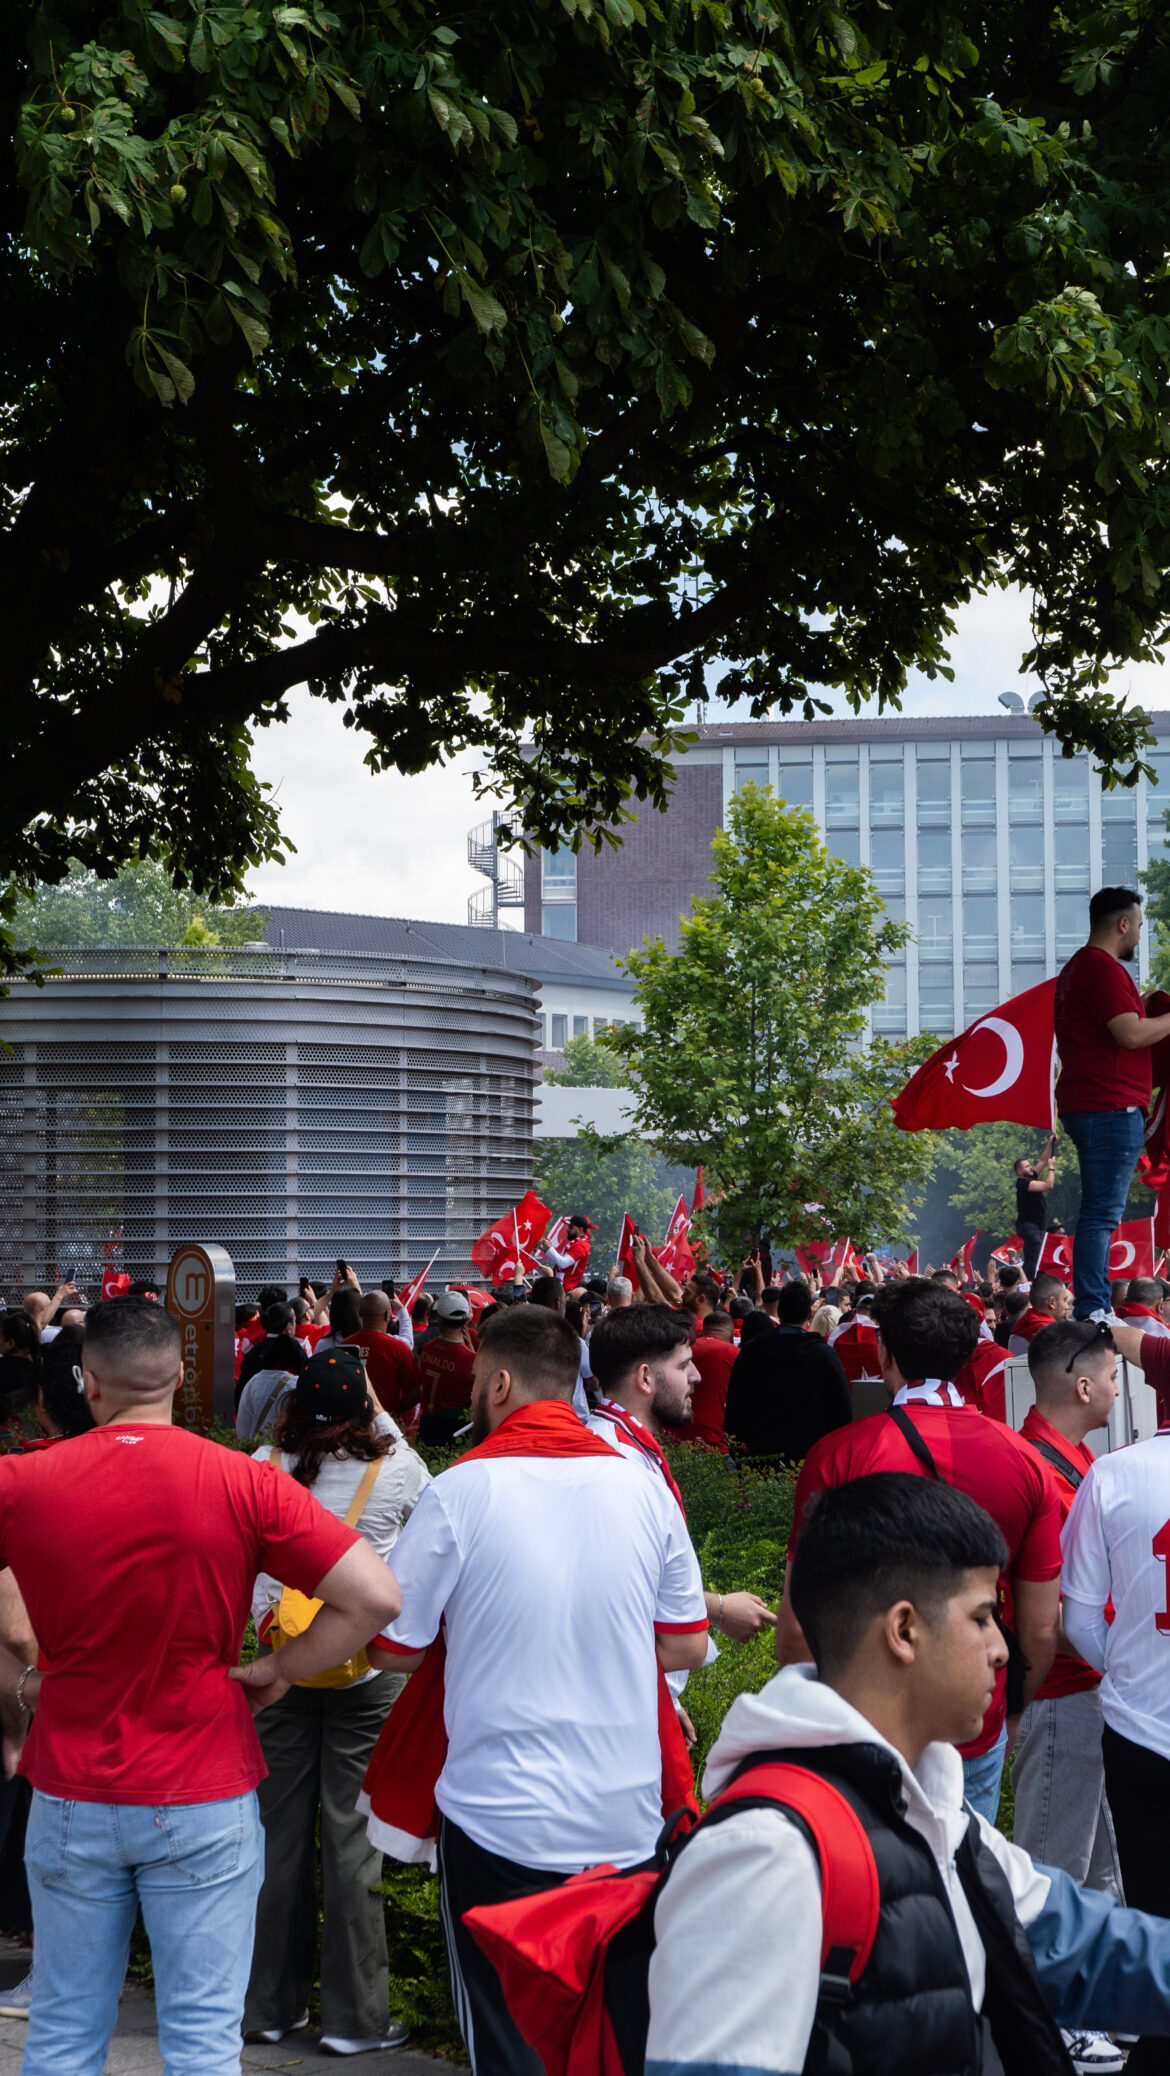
(642, 888)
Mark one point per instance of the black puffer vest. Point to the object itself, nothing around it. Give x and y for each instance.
(910, 2012)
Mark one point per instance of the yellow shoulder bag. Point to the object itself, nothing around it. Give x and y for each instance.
(295, 1611)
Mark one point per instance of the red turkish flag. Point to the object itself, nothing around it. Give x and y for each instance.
(961, 1262)
(912, 1263)
(477, 1299)
(1131, 1250)
(1000, 1067)
(814, 1257)
(557, 1234)
(700, 1196)
(505, 1250)
(625, 1254)
(1056, 1257)
(409, 1297)
(114, 1284)
(1004, 1252)
(675, 1251)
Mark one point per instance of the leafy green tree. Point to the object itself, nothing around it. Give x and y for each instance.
(588, 1064)
(506, 373)
(140, 905)
(750, 1059)
(978, 1166)
(1157, 905)
(570, 1175)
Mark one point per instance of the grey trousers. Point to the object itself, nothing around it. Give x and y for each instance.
(1062, 1816)
(317, 1743)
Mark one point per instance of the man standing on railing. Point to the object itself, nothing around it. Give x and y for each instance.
(1103, 1036)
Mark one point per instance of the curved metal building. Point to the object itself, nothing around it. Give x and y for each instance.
(293, 1105)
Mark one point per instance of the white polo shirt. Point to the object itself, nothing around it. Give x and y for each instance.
(1116, 1541)
(552, 1575)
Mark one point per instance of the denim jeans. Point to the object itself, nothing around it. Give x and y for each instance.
(983, 1779)
(1108, 1143)
(195, 1869)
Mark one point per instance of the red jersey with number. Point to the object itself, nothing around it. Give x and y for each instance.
(979, 1457)
(447, 1368)
(1117, 1545)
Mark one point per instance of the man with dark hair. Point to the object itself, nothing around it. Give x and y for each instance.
(141, 1750)
(1008, 1276)
(925, 1336)
(788, 1388)
(1034, 1180)
(714, 1357)
(946, 1278)
(564, 1578)
(770, 1301)
(548, 1292)
(1103, 1036)
(571, 1261)
(895, 1581)
(1049, 1301)
(1142, 1306)
(1012, 1308)
(1058, 1775)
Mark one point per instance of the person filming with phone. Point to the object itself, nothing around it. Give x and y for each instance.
(1034, 1180)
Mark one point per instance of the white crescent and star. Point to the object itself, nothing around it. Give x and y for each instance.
(1128, 1253)
(1013, 1057)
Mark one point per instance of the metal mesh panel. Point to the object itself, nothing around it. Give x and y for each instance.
(282, 1134)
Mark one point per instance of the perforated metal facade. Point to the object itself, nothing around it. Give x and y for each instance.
(296, 1106)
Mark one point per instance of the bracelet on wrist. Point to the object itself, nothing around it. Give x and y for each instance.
(21, 1703)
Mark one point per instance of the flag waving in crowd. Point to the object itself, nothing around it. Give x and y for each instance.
(675, 1252)
(962, 1262)
(1001, 1067)
(505, 1250)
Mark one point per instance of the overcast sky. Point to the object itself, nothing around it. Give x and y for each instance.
(385, 845)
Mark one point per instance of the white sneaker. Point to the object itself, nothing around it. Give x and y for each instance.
(1093, 2054)
(399, 2034)
(269, 2038)
(14, 2003)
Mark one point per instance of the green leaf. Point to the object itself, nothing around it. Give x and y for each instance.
(489, 314)
(254, 329)
(180, 374)
(557, 453)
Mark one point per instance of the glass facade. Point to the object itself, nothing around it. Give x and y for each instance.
(558, 894)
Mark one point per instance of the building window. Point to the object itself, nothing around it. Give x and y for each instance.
(845, 844)
(601, 1024)
(751, 766)
(558, 875)
(796, 782)
(977, 790)
(580, 1027)
(934, 861)
(1026, 860)
(887, 860)
(936, 1003)
(1072, 924)
(980, 990)
(842, 796)
(889, 1017)
(936, 932)
(934, 795)
(559, 1032)
(1119, 838)
(1070, 789)
(559, 920)
(1025, 791)
(979, 861)
(1157, 801)
(1026, 977)
(980, 926)
(1027, 927)
(1070, 858)
(887, 796)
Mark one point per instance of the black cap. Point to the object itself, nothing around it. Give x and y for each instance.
(332, 1386)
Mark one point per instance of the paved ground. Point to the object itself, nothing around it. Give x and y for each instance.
(135, 2050)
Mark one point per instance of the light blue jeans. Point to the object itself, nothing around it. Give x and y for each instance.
(1108, 1143)
(195, 1869)
(983, 1779)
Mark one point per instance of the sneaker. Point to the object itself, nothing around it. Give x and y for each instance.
(1093, 2054)
(399, 2034)
(268, 2037)
(14, 2003)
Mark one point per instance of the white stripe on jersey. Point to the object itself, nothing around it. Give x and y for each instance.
(1116, 1541)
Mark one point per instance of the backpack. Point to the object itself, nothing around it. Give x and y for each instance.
(295, 1611)
(574, 1961)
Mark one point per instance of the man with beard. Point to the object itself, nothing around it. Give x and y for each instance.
(1103, 1036)
(643, 1361)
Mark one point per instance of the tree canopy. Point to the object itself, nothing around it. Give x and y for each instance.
(507, 368)
(139, 905)
(750, 1059)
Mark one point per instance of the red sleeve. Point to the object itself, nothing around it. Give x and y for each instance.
(1038, 1557)
(300, 1540)
(1113, 990)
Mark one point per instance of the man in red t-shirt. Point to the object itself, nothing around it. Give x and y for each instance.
(925, 1335)
(980, 1382)
(1103, 1036)
(447, 1366)
(1050, 1300)
(391, 1368)
(571, 1261)
(713, 1353)
(136, 1550)
(1062, 1816)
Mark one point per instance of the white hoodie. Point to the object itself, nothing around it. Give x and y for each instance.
(736, 1966)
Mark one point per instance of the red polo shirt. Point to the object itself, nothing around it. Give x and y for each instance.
(979, 1457)
(1096, 1073)
(1069, 1675)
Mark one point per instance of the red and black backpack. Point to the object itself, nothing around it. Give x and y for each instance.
(574, 1961)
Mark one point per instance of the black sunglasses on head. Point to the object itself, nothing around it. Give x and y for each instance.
(1101, 1333)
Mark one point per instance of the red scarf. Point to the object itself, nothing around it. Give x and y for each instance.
(398, 1793)
(642, 1439)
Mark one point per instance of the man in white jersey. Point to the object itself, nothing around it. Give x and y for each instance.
(563, 1578)
(1115, 1543)
(641, 1358)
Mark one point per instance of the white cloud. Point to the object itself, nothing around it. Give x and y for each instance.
(387, 845)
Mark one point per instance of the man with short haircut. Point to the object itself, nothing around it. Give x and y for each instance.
(714, 1356)
(563, 1578)
(1008, 1276)
(1058, 1774)
(571, 1261)
(1013, 1305)
(619, 1292)
(392, 1370)
(925, 1335)
(644, 1364)
(895, 1582)
(1049, 1300)
(788, 1387)
(446, 1365)
(1142, 1306)
(770, 1301)
(946, 1278)
(136, 1550)
(1103, 1036)
(1034, 1180)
